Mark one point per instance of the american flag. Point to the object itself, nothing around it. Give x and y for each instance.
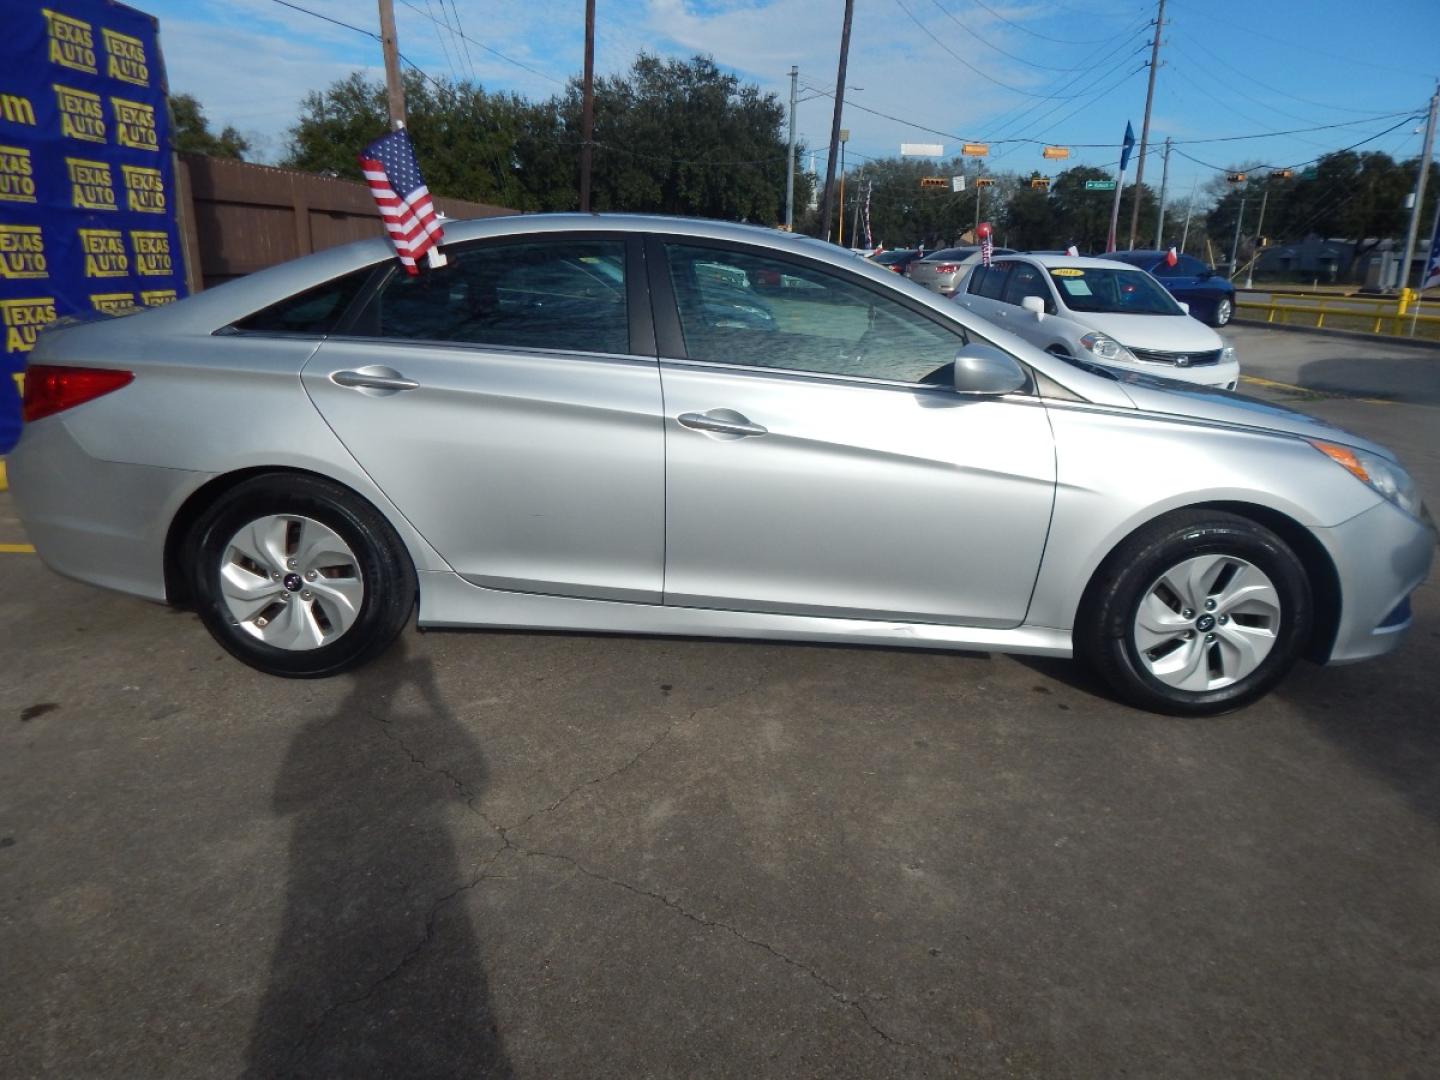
(404, 200)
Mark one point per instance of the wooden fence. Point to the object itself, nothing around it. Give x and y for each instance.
(236, 218)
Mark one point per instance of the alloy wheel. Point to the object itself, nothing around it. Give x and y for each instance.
(291, 582)
(1207, 622)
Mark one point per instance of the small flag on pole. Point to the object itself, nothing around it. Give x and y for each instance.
(1127, 146)
(1432, 264)
(1172, 257)
(404, 201)
(1072, 251)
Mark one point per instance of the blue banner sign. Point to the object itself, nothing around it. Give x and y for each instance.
(87, 188)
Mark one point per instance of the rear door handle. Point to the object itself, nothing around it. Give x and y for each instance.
(374, 379)
(731, 424)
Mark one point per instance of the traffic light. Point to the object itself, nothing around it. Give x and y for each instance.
(1282, 174)
(1235, 177)
(985, 181)
(934, 182)
(1041, 183)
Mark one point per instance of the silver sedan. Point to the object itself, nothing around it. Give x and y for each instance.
(940, 271)
(645, 425)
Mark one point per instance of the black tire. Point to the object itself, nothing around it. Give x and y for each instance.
(1222, 311)
(1103, 633)
(385, 569)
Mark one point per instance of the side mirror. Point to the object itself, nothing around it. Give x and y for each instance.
(1184, 307)
(1034, 305)
(985, 371)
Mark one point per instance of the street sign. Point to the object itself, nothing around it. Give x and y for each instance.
(957, 183)
(934, 181)
(922, 149)
(1099, 185)
(1055, 152)
(844, 134)
(975, 149)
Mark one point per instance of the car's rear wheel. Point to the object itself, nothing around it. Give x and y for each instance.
(1199, 613)
(1224, 310)
(299, 577)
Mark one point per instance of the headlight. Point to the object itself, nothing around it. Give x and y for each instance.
(1105, 348)
(1227, 354)
(1384, 476)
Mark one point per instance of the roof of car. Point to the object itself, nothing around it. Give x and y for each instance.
(1082, 262)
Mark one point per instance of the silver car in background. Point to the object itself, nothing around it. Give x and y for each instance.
(940, 271)
(652, 425)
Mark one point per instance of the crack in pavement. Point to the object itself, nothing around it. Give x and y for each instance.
(506, 844)
(834, 991)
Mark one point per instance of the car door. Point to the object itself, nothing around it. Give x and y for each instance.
(982, 291)
(819, 462)
(509, 404)
(1027, 279)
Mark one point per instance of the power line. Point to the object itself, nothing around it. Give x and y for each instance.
(1266, 86)
(460, 32)
(1309, 161)
(477, 44)
(444, 46)
(960, 59)
(1036, 33)
(986, 41)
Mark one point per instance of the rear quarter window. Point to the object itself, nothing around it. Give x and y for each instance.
(315, 311)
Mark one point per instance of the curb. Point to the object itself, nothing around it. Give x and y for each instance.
(1353, 335)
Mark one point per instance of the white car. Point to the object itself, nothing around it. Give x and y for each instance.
(1101, 312)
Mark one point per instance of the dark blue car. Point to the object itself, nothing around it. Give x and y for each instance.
(1210, 295)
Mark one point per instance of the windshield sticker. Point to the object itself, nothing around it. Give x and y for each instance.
(1066, 271)
(1076, 288)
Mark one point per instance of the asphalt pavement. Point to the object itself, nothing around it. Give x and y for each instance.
(497, 854)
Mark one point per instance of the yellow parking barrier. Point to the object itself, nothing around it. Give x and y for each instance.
(1389, 317)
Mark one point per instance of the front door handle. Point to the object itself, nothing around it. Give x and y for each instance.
(728, 423)
(376, 378)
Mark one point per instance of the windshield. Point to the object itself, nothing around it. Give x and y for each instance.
(1112, 291)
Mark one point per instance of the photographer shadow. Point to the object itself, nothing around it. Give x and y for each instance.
(377, 970)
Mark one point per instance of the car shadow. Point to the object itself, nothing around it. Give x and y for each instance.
(377, 971)
(1358, 373)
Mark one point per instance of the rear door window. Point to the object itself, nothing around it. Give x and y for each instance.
(558, 294)
(994, 282)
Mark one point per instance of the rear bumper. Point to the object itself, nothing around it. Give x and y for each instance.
(1381, 557)
(101, 522)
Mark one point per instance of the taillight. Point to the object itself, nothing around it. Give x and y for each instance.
(946, 268)
(50, 389)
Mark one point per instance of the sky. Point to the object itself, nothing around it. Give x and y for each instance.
(1015, 75)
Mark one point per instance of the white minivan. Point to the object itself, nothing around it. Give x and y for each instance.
(1101, 312)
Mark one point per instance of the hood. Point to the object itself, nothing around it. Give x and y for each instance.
(1187, 400)
(1169, 333)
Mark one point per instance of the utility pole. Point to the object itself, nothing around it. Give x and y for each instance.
(394, 86)
(1235, 247)
(1259, 228)
(790, 161)
(1164, 183)
(1426, 152)
(1145, 126)
(587, 107)
(827, 204)
(1190, 213)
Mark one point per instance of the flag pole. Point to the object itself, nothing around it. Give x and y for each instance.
(1111, 240)
(395, 95)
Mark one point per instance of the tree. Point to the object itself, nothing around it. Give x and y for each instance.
(190, 131)
(464, 138)
(683, 137)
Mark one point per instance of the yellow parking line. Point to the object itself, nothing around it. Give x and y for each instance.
(17, 549)
(4, 481)
(1271, 384)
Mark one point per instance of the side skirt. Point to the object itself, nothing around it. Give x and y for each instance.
(448, 601)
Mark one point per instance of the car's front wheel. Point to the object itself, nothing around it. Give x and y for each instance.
(1224, 311)
(298, 577)
(1199, 613)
